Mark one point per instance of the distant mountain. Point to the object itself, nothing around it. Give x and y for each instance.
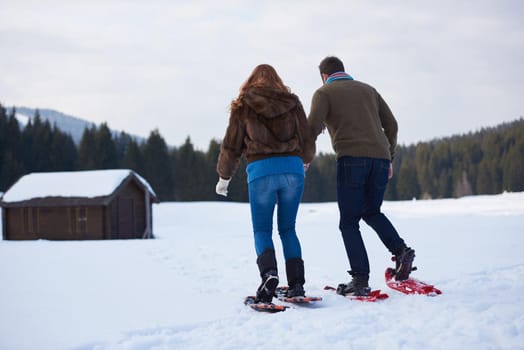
(67, 123)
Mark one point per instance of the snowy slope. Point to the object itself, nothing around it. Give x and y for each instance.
(66, 123)
(184, 290)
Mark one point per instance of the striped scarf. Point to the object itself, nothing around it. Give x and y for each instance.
(338, 76)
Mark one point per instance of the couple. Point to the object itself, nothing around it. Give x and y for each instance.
(268, 126)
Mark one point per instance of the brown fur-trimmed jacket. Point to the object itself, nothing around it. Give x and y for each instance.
(267, 123)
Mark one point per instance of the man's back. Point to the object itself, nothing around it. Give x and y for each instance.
(358, 120)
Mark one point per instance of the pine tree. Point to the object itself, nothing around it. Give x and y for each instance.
(11, 147)
(133, 158)
(407, 183)
(63, 153)
(463, 186)
(424, 174)
(158, 169)
(122, 141)
(513, 165)
(191, 173)
(38, 155)
(3, 148)
(87, 150)
(105, 149)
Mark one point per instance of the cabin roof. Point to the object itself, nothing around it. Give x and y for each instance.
(73, 185)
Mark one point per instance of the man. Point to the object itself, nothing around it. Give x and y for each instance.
(363, 134)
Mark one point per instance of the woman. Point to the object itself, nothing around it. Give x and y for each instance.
(268, 127)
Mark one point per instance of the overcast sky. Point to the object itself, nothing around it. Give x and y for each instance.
(444, 67)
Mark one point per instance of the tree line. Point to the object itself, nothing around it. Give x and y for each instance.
(485, 162)
(488, 161)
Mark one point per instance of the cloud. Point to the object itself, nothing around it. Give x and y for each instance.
(443, 67)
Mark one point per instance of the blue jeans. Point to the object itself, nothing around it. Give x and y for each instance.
(361, 183)
(266, 192)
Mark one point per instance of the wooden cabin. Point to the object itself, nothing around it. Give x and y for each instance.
(82, 205)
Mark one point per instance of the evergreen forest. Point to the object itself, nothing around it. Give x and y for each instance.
(488, 161)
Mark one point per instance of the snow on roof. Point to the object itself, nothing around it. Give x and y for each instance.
(92, 183)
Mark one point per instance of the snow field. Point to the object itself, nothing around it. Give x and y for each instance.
(184, 290)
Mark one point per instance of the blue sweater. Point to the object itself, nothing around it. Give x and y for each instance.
(274, 165)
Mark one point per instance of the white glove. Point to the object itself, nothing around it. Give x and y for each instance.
(222, 185)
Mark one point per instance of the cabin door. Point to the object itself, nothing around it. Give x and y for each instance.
(126, 218)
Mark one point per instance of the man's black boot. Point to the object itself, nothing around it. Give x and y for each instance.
(404, 263)
(358, 286)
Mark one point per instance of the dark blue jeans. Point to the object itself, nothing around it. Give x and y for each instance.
(266, 192)
(361, 183)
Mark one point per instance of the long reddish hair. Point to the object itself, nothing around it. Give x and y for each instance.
(263, 75)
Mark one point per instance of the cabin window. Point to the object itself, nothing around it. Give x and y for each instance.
(82, 219)
(77, 221)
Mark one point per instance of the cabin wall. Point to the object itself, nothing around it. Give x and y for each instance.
(55, 223)
(4, 230)
(128, 214)
(20, 223)
(85, 223)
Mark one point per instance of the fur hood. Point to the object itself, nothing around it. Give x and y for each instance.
(267, 123)
(269, 103)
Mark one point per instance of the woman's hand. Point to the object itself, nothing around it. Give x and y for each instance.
(221, 187)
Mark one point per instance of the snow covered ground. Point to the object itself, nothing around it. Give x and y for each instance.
(184, 290)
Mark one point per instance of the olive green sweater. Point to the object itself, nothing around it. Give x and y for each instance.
(358, 120)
